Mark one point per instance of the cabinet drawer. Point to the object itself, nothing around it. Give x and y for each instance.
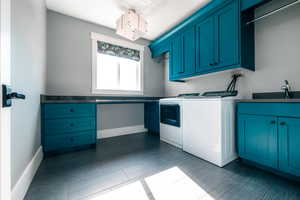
(62, 126)
(275, 109)
(57, 142)
(53, 111)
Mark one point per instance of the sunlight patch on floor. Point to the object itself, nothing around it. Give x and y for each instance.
(176, 185)
(133, 191)
(169, 184)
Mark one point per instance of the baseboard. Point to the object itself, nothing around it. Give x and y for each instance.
(171, 143)
(20, 189)
(106, 133)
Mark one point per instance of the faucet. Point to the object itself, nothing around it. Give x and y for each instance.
(286, 88)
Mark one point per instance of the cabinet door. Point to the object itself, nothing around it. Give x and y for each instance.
(289, 145)
(257, 139)
(189, 51)
(205, 45)
(177, 68)
(227, 36)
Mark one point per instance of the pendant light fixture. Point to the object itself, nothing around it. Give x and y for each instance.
(131, 25)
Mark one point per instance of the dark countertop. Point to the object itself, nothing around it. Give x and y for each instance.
(268, 100)
(98, 99)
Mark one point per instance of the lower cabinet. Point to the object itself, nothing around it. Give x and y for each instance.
(258, 139)
(289, 145)
(63, 141)
(266, 138)
(68, 126)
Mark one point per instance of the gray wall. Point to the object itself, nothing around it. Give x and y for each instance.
(69, 68)
(277, 57)
(28, 77)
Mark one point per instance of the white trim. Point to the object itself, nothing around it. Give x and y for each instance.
(5, 113)
(95, 37)
(20, 189)
(106, 133)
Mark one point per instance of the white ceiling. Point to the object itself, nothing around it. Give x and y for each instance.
(161, 15)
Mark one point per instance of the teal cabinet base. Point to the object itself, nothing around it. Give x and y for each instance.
(269, 135)
(69, 150)
(271, 170)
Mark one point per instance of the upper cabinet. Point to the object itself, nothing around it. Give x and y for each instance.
(189, 53)
(205, 51)
(176, 57)
(227, 35)
(182, 54)
(216, 38)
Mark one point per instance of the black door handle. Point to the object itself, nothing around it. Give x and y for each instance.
(15, 95)
(7, 96)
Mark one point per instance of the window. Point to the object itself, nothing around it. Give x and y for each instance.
(117, 66)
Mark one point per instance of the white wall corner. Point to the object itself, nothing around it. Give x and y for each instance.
(106, 133)
(20, 189)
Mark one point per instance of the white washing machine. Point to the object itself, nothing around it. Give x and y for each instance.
(209, 129)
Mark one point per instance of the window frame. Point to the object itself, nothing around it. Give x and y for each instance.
(95, 37)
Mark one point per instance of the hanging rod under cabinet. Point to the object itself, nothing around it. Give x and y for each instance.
(274, 11)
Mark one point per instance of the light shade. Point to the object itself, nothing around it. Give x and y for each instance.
(131, 25)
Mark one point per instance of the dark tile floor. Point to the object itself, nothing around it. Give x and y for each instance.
(143, 168)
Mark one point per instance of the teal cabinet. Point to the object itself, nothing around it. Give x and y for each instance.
(213, 39)
(205, 51)
(258, 139)
(176, 57)
(67, 127)
(218, 39)
(189, 51)
(182, 56)
(289, 145)
(227, 36)
(269, 135)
